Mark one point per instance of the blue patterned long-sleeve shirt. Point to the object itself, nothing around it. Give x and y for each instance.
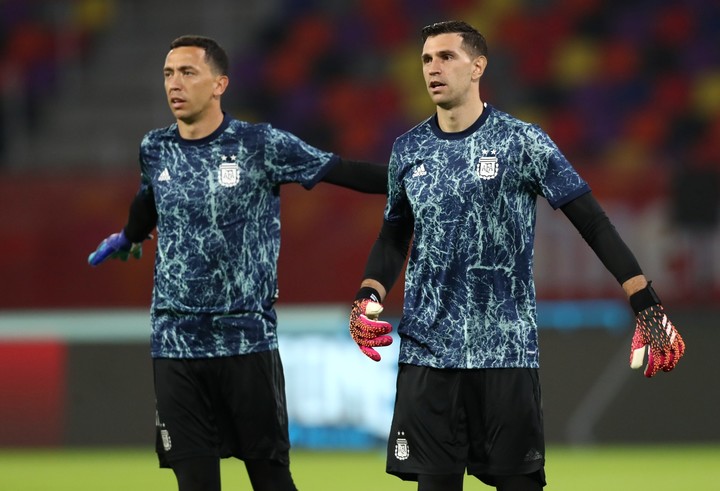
(218, 207)
(469, 292)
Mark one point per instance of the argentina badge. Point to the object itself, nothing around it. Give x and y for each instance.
(229, 172)
(402, 448)
(487, 167)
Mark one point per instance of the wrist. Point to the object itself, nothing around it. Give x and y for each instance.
(368, 292)
(644, 298)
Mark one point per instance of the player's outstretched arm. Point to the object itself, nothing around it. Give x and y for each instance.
(364, 177)
(654, 332)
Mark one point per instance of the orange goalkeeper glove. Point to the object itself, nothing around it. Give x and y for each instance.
(365, 328)
(654, 332)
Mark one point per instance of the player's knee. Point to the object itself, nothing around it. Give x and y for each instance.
(199, 474)
(268, 475)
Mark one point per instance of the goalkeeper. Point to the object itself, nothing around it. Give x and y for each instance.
(211, 184)
(462, 187)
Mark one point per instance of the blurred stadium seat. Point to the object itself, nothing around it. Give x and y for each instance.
(630, 91)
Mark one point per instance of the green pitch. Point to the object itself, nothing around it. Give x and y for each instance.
(657, 468)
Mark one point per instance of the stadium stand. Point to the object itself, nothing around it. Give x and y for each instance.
(629, 90)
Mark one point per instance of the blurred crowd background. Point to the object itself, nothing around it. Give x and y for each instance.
(630, 91)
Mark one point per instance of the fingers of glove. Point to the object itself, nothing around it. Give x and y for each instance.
(94, 258)
(655, 332)
(675, 350)
(681, 344)
(364, 328)
(370, 353)
(100, 254)
(664, 359)
(658, 359)
(374, 327)
(367, 345)
(654, 364)
(376, 342)
(136, 250)
(124, 254)
(674, 354)
(109, 248)
(669, 361)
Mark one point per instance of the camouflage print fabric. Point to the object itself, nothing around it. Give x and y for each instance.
(218, 207)
(469, 293)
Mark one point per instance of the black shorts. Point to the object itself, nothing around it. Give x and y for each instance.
(221, 407)
(486, 421)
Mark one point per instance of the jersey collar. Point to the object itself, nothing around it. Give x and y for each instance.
(460, 134)
(201, 141)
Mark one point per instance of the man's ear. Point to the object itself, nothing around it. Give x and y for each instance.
(480, 64)
(221, 83)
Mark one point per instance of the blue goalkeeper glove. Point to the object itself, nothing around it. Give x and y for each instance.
(116, 246)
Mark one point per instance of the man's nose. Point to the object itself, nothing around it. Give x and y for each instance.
(173, 81)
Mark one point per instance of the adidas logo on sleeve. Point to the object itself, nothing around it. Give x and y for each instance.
(164, 175)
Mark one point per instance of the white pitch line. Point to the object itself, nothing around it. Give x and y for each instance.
(580, 425)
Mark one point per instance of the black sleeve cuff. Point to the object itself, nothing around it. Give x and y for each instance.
(368, 292)
(642, 299)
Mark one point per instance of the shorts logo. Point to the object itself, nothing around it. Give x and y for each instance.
(229, 172)
(487, 167)
(166, 441)
(402, 448)
(164, 433)
(532, 455)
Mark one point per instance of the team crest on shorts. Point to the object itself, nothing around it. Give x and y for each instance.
(166, 441)
(402, 448)
(229, 172)
(487, 167)
(164, 433)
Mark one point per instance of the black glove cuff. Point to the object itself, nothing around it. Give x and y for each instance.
(642, 299)
(368, 292)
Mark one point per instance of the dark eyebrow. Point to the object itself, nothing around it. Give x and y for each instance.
(180, 68)
(444, 52)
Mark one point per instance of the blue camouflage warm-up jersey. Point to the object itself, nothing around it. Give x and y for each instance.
(469, 290)
(218, 206)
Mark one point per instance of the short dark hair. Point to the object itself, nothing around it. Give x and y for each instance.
(473, 42)
(215, 55)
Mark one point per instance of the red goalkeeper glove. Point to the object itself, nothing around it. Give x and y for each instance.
(365, 328)
(654, 332)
